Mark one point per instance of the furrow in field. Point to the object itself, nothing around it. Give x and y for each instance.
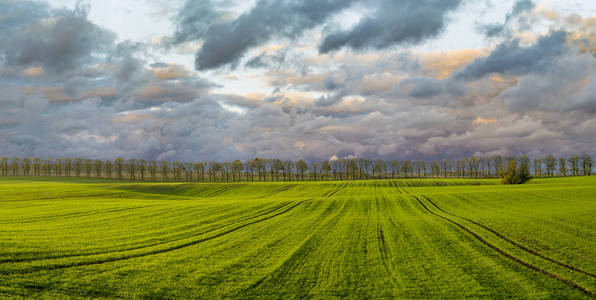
(143, 254)
(520, 246)
(74, 215)
(236, 221)
(383, 245)
(303, 250)
(508, 255)
(330, 194)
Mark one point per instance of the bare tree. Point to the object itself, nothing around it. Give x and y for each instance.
(473, 166)
(37, 166)
(14, 163)
(26, 162)
(586, 164)
(352, 168)
(153, 170)
(446, 164)
(436, 169)
(177, 169)
(420, 167)
(498, 164)
(550, 164)
(119, 166)
(257, 165)
(214, 169)
(325, 169)
(47, 166)
(380, 166)
(289, 167)
(165, 169)
(562, 166)
(301, 166)
(538, 167)
(461, 167)
(98, 167)
(78, 166)
(142, 168)
(108, 167)
(4, 166)
(574, 165)
(88, 167)
(132, 168)
(200, 169)
(58, 167)
(227, 168)
(237, 168)
(406, 167)
(395, 166)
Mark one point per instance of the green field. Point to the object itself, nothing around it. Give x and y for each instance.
(361, 239)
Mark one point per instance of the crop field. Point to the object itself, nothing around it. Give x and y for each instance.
(411, 238)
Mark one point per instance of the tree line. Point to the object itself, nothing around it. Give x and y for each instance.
(262, 169)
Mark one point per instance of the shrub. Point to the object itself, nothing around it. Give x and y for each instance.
(517, 173)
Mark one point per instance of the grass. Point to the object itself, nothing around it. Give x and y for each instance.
(410, 238)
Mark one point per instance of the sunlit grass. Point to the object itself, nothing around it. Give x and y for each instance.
(361, 239)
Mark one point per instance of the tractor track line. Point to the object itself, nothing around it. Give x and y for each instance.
(169, 249)
(322, 230)
(520, 246)
(509, 256)
(246, 218)
(334, 192)
(77, 215)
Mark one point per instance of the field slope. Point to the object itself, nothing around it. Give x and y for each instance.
(363, 239)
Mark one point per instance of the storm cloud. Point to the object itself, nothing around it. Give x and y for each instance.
(393, 23)
(233, 79)
(58, 40)
(227, 42)
(512, 58)
(519, 8)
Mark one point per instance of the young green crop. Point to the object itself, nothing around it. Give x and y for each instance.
(361, 239)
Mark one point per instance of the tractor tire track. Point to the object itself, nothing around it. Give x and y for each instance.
(508, 255)
(306, 247)
(328, 195)
(520, 246)
(384, 249)
(77, 215)
(246, 218)
(159, 251)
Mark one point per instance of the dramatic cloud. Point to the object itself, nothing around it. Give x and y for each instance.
(513, 59)
(500, 29)
(394, 22)
(57, 41)
(291, 79)
(226, 42)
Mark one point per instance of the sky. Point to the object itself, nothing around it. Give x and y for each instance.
(310, 79)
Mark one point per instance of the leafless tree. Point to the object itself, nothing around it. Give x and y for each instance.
(88, 167)
(574, 165)
(108, 167)
(165, 169)
(142, 168)
(550, 164)
(98, 163)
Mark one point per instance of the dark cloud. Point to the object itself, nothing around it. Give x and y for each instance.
(520, 7)
(511, 58)
(107, 101)
(493, 30)
(195, 18)
(227, 42)
(501, 29)
(568, 85)
(57, 40)
(394, 22)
